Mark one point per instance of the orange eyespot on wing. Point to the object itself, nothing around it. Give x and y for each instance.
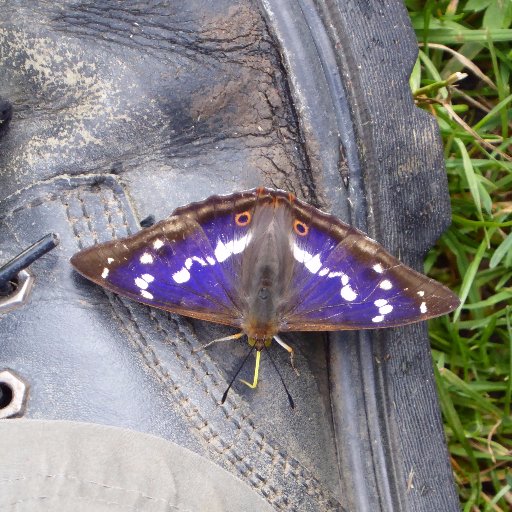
(243, 219)
(300, 228)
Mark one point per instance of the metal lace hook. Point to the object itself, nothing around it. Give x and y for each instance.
(15, 281)
(11, 269)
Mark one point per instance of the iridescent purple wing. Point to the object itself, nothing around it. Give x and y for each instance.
(187, 264)
(344, 280)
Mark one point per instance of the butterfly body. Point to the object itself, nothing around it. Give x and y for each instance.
(266, 272)
(265, 262)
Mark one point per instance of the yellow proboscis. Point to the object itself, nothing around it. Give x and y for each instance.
(256, 372)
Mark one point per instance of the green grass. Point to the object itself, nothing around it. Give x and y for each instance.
(472, 348)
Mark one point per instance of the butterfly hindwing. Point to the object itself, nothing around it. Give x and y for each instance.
(344, 280)
(228, 236)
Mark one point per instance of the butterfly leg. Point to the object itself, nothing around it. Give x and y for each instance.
(256, 372)
(289, 350)
(232, 337)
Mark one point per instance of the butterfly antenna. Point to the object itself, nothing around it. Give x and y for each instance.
(225, 395)
(290, 399)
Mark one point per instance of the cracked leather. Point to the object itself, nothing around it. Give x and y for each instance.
(127, 114)
(122, 110)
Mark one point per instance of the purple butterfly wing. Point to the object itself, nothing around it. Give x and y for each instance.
(187, 264)
(344, 280)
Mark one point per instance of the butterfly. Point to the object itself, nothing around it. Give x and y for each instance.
(265, 262)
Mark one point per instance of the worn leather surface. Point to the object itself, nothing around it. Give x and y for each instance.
(125, 110)
(174, 106)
